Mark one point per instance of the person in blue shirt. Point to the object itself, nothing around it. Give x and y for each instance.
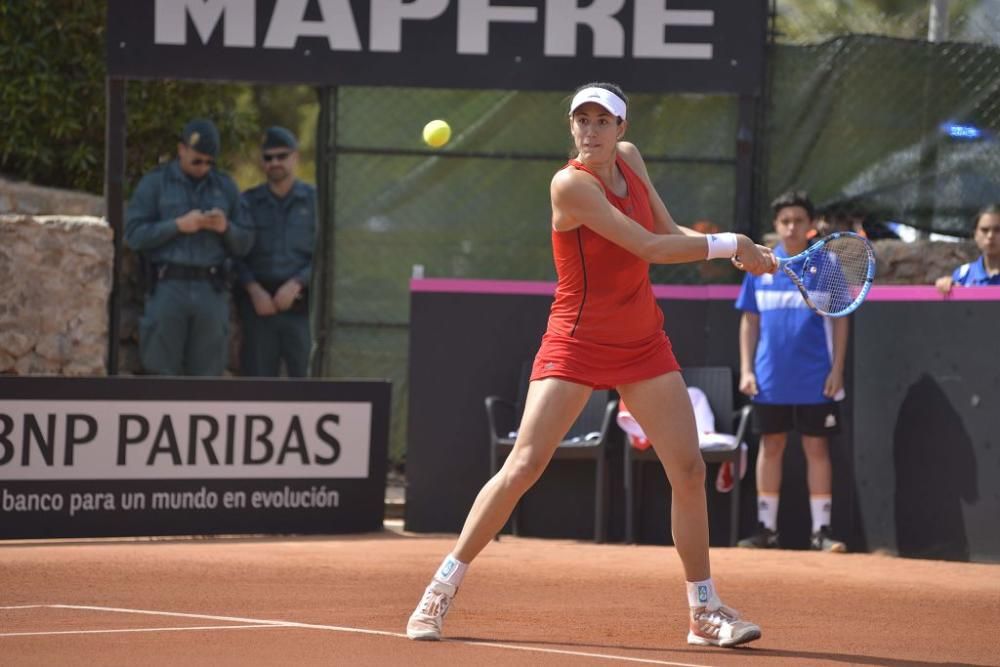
(186, 220)
(986, 269)
(274, 277)
(792, 366)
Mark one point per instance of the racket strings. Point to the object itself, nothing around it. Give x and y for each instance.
(837, 275)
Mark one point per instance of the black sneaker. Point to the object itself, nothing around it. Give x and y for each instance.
(764, 538)
(821, 541)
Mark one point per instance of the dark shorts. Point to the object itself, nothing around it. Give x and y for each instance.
(819, 419)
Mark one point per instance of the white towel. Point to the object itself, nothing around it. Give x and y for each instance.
(708, 438)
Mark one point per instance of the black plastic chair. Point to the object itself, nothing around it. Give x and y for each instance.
(597, 417)
(717, 383)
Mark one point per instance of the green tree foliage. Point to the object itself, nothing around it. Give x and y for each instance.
(52, 100)
(804, 21)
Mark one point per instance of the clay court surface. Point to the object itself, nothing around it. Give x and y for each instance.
(344, 600)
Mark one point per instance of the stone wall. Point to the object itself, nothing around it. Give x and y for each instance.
(54, 305)
(56, 277)
(920, 262)
(19, 197)
(35, 200)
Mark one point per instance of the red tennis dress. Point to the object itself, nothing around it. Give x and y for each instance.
(605, 328)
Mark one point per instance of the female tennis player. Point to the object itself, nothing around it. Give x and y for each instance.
(605, 330)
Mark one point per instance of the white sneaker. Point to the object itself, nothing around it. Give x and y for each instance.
(425, 621)
(721, 626)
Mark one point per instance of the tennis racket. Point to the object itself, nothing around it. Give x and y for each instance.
(834, 274)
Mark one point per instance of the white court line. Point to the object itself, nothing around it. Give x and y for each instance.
(26, 606)
(362, 631)
(122, 610)
(103, 632)
(234, 619)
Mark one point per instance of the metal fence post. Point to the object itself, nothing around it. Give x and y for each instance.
(114, 197)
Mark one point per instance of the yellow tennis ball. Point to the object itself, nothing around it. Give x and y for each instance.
(437, 133)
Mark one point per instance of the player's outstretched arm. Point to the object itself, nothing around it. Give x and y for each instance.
(578, 200)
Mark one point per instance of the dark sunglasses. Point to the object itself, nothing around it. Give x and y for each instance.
(280, 157)
(198, 161)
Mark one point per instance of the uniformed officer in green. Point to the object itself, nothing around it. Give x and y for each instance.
(274, 276)
(186, 218)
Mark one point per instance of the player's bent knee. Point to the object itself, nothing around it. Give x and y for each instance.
(688, 474)
(522, 473)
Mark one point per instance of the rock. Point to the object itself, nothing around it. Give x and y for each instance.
(56, 272)
(17, 343)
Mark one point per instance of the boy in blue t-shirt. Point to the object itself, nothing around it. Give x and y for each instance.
(792, 366)
(986, 269)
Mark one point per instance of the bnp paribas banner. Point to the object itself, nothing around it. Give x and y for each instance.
(644, 45)
(157, 456)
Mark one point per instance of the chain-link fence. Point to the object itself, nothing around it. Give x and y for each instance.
(888, 128)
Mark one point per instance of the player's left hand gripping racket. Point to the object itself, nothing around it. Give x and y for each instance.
(834, 274)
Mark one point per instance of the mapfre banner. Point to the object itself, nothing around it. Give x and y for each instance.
(644, 45)
(167, 456)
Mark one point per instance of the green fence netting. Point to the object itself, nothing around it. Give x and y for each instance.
(898, 130)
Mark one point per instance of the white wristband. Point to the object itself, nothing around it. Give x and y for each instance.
(721, 246)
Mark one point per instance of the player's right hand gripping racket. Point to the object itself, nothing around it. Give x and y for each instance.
(834, 274)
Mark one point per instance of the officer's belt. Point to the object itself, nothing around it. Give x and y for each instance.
(184, 272)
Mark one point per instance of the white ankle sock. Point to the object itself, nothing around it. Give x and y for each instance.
(767, 510)
(820, 508)
(452, 571)
(702, 594)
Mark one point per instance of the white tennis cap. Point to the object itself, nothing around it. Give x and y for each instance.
(614, 104)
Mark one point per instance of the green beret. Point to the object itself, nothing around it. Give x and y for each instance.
(201, 135)
(278, 137)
